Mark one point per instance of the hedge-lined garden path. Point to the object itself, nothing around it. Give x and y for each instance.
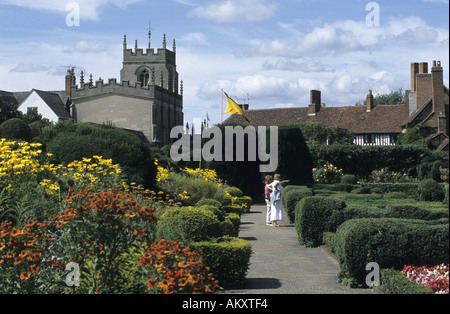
(279, 265)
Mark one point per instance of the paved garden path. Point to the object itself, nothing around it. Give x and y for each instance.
(279, 265)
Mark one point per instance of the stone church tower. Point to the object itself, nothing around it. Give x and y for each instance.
(148, 98)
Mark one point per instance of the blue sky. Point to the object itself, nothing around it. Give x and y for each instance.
(265, 52)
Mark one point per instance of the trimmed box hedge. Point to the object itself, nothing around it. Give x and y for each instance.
(312, 218)
(410, 189)
(292, 197)
(393, 282)
(390, 242)
(188, 224)
(228, 258)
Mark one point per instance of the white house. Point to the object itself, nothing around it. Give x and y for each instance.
(48, 104)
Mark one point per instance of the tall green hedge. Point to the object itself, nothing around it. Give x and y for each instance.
(391, 243)
(361, 160)
(294, 163)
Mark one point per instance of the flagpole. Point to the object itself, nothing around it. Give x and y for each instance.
(221, 106)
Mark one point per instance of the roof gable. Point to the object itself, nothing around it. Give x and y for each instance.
(51, 100)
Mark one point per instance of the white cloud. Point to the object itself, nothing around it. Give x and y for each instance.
(437, 1)
(25, 68)
(289, 65)
(195, 38)
(84, 46)
(226, 11)
(88, 8)
(348, 36)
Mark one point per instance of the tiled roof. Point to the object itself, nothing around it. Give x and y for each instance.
(381, 119)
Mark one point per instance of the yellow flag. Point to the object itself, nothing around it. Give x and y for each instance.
(233, 107)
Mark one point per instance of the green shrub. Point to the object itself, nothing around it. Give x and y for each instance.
(293, 187)
(410, 189)
(188, 224)
(228, 258)
(446, 194)
(233, 209)
(339, 187)
(217, 212)
(430, 190)
(396, 195)
(312, 218)
(349, 179)
(291, 198)
(413, 212)
(235, 221)
(234, 191)
(393, 282)
(15, 129)
(363, 190)
(244, 201)
(390, 242)
(208, 201)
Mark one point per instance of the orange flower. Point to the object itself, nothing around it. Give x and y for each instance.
(15, 232)
(130, 214)
(23, 253)
(25, 276)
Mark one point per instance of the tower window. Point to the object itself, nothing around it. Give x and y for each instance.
(144, 78)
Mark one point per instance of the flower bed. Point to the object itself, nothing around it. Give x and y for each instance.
(435, 278)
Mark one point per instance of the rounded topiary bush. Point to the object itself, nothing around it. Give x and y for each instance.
(244, 201)
(292, 197)
(430, 190)
(234, 191)
(15, 129)
(217, 212)
(208, 201)
(188, 224)
(228, 258)
(313, 217)
(349, 179)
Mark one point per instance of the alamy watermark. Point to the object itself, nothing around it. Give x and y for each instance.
(73, 15)
(212, 150)
(373, 18)
(73, 277)
(373, 278)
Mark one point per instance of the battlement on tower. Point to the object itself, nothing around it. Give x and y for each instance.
(99, 89)
(149, 55)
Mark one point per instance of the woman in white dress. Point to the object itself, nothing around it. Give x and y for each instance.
(277, 212)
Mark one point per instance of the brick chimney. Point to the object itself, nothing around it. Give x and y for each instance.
(70, 80)
(437, 88)
(414, 71)
(423, 68)
(315, 102)
(369, 101)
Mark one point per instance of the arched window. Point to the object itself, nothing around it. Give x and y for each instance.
(144, 78)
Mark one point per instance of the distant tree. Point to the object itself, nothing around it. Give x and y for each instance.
(393, 98)
(319, 133)
(416, 135)
(8, 110)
